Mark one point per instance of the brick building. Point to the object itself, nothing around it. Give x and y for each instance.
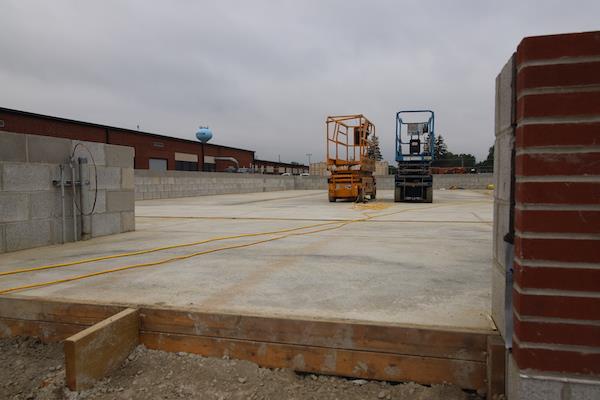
(152, 151)
(275, 167)
(546, 275)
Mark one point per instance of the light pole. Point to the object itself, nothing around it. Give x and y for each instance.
(308, 155)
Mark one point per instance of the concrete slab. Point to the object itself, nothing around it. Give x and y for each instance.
(423, 264)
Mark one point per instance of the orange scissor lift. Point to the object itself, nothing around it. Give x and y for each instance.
(351, 170)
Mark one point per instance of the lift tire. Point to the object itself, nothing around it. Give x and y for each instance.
(429, 195)
(332, 199)
(397, 195)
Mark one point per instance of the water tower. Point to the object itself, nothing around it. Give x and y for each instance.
(204, 134)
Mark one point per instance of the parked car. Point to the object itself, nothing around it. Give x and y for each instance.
(286, 174)
(305, 174)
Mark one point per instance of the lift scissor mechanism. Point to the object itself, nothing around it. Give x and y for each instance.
(350, 168)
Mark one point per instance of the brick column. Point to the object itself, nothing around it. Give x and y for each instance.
(556, 289)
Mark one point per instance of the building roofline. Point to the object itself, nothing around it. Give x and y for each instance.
(281, 163)
(116, 128)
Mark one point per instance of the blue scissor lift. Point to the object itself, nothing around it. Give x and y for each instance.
(415, 141)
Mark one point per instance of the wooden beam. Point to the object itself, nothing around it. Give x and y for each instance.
(356, 364)
(394, 352)
(495, 367)
(47, 332)
(411, 340)
(41, 309)
(96, 351)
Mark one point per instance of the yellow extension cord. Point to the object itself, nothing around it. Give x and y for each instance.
(186, 256)
(152, 250)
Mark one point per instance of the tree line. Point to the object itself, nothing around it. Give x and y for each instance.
(442, 156)
(445, 158)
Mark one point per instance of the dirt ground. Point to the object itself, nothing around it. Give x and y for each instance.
(33, 370)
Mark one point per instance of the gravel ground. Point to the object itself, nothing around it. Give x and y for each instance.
(33, 370)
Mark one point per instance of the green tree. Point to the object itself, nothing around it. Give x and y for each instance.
(373, 151)
(489, 161)
(441, 150)
(466, 160)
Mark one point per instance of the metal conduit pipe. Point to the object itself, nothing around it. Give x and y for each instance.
(84, 193)
(74, 192)
(62, 200)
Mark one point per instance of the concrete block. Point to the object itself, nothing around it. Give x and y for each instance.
(498, 295)
(47, 204)
(45, 149)
(122, 200)
(14, 207)
(533, 385)
(505, 98)
(100, 202)
(127, 178)
(13, 147)
(27, 234)
(69, 230)
(119, 156)
(108, 178)
(503, 170)
(83, 149)
(26, 177)
(500, 229)
(127, 221)
(106, 224)
(2, 239)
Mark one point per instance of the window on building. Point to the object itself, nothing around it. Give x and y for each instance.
(186, 165)
(158, 164)
(209, 167)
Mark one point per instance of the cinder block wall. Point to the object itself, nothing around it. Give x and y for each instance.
(556, 289)
(30, 205)
(505, 124)
(173, 184)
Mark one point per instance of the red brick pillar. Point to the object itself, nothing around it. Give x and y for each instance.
(556, 290)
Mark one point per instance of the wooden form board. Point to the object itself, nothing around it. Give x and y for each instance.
(96, 351)
(496, 366)
(379, 351)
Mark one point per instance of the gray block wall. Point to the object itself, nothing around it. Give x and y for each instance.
(173, 184)
(504, 144)
(30, 205)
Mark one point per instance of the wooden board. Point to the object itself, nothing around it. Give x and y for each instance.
(47, 332)
(96, 351)
(422, 341)
(21, 307)
(357, 364)
(496, 367)
(338, 347)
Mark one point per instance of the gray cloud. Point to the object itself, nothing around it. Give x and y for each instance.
(264, 74)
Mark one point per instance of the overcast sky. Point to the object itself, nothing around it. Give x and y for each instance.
(265, 74)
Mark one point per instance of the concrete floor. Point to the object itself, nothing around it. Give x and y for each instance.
(425, 264)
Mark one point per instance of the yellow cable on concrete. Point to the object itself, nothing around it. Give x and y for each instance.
(155, 249)
(163, 261)
(186, 256)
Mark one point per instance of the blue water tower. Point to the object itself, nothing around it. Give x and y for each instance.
(204, 134)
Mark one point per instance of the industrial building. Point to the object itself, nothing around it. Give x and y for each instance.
(152, 151)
